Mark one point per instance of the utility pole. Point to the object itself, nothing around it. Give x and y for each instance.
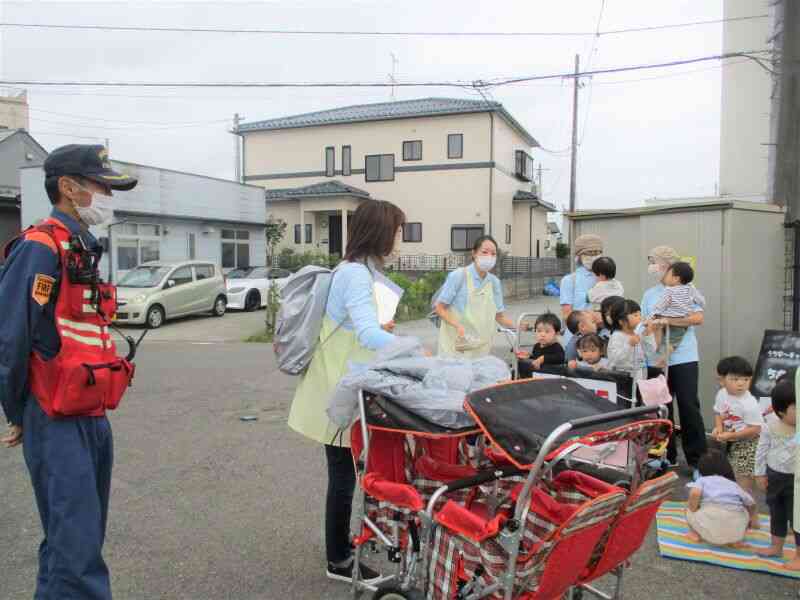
(539, 182)
(573, 162)
(237, 148)
(393, 75)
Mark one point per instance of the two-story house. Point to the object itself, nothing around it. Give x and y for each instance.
(458, 168)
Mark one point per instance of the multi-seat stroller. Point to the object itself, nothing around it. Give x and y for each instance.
(509, 508)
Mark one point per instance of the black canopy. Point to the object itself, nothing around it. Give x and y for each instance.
(519, 415)
(384, 413)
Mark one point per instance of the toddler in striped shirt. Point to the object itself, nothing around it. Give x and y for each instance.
(679, 299)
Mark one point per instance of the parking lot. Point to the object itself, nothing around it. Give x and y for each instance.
(208, 507)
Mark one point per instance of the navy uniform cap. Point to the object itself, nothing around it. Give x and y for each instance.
(87, 161)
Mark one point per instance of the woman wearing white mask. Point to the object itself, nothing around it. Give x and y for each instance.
(575, 286)
(471, 304)
(684, 360)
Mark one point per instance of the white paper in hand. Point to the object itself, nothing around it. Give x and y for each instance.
(387, 296)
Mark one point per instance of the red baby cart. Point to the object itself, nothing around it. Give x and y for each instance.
(517, 521)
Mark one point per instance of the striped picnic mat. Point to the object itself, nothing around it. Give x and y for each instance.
(673, 543)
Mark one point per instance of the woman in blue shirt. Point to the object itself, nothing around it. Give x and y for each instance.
(471, 304)
(575, 286)
(683, 372)
(350, 332)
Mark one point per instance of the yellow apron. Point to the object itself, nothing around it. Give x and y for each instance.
(478, 321)
(308, 414)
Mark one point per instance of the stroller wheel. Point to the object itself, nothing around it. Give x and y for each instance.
(392, 592)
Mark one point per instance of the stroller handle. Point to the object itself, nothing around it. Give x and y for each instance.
(484, 477)
(613, 416)
(480, 478)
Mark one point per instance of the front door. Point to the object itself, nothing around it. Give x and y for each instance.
(335, 234)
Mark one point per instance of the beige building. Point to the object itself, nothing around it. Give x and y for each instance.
(458, 168)
(13, 109)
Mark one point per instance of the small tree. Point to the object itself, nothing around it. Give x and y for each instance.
(275, 230)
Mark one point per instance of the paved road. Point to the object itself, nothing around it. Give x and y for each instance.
(207, 507)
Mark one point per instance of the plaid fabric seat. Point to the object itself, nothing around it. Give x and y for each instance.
(629, 530)
(567, 518)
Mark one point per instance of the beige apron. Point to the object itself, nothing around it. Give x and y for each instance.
(328, 365)
(478, 320)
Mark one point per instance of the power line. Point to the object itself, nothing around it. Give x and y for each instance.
(95, 118)
(299, 32)
(382, 84)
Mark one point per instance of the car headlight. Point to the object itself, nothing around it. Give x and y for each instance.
(140, 299)
(235, 290)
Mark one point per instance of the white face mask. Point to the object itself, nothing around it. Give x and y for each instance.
(588, 261)
(655, 271)
(486, 263)
(100, 211)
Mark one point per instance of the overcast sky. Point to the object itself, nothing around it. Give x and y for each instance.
(643, 135)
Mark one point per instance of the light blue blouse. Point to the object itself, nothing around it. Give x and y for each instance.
(574, 291)
(351, 302)
(454, 290)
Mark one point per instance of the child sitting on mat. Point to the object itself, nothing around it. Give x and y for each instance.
(775, 464)
(718, 510)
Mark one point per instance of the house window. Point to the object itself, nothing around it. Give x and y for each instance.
(308, 234)
(523, 165)
(412, 150)
(412, 232)
(463, 237)
(380, 167)
(346, 160)
(508, 234)
(137, 244)
(192, 243)
(330, 161)
(297, 238)
(455, 145)
(235, 249)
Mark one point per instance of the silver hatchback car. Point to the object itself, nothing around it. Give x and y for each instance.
(154, 292)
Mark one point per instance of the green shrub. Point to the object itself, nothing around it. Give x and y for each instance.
(562, 250)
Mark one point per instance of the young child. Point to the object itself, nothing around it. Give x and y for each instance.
(605, 270)
(678, 300)
(629, 340)
(590, 351)
(579, 323)
(718, 510)
(737, 418)
(775, 464)
(605, 316)
(547, 350)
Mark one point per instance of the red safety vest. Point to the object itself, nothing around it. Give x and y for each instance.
(86, 377)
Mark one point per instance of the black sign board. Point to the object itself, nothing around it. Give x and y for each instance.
(780, 352)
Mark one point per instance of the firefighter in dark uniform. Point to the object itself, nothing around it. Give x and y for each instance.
(59, 371)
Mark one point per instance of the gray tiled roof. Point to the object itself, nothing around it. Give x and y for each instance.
(525, 196)
(325, 188)
(402, 109)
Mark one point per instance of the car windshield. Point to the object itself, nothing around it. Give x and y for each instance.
(239, 274)
(144, 277)
(258, 273)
